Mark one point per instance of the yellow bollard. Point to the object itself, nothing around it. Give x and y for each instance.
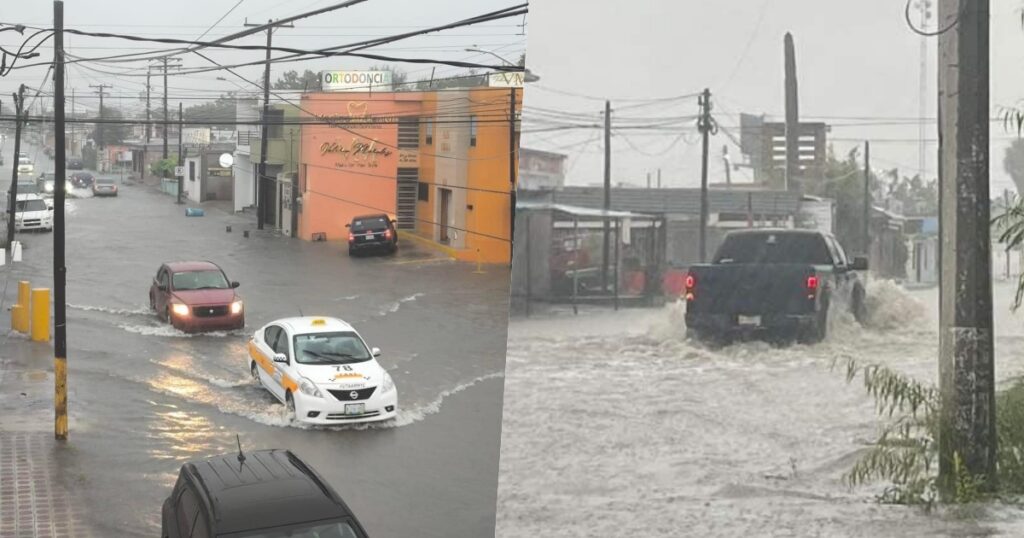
(23, 293)
(41, 315)
(19, 318)
(479, 264)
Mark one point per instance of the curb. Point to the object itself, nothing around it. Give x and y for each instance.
(448, 251)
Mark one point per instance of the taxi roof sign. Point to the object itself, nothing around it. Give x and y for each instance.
(319, 321)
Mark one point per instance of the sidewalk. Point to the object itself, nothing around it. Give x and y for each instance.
(35, 497)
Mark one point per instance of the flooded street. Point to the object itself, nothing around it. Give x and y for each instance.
(144, 397)
(615, 423)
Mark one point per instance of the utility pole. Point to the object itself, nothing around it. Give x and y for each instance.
(866, 230)
(512, 150)
(967, 432)
(60, 351)
(725, 160)
(260, 202)
(149, 125)
(659, 178)
(101, 143)
(925, 8)
(167, 117)
(19, 104)
(648, 180)
(706, 126)
(607, 191)
(792, 119)
(181, 154)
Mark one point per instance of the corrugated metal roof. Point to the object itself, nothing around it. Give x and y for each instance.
(676, 201)
(579, 211)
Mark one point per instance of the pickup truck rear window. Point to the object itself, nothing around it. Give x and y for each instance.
(753, 248)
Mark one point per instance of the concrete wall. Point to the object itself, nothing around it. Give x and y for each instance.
(243, 194)
(532, 251)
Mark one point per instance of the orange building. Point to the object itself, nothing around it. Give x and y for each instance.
(438, 161)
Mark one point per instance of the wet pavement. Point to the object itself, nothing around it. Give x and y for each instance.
(615, 425)
(144, 398)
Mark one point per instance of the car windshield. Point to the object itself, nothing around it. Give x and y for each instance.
(330, 348)
(337, 529)
(200, 280)
(31, 205)
(798, 248)
(369, 223)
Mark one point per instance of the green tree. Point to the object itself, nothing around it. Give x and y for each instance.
(292, 80)
(1013, 163)
(843, 182)
(107, 134)
(213, 112)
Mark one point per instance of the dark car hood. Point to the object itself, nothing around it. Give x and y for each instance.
(196, 297)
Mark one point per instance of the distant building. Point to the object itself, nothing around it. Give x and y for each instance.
(541, 170)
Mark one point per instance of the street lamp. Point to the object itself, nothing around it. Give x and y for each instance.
(233, 82)
(528, 75)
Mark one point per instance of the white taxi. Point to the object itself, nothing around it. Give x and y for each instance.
(323, 371)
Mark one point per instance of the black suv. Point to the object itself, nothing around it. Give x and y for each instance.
(372, 232)
(264, 494)
(82, 180)
(74, 163)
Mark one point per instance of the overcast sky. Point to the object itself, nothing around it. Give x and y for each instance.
(188, 19)
(854, 59)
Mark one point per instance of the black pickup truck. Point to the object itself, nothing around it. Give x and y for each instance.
(775, 281)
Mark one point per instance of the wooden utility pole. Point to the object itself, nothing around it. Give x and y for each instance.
(512, 151)
(12, 209)
(260, 182)
(792, 119)
(181, 154)
(866, 230)
(967, 431)
(60, 347)
(607, 192)
(705, 126)
(101, 128)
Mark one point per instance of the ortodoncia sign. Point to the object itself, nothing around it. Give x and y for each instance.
(355, 81)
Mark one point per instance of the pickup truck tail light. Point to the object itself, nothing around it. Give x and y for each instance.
(812, 286)
(691, 285)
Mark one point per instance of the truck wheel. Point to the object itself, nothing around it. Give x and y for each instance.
(817, 330)
(857, 304)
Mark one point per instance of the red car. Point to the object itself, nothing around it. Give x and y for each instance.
(196, 296)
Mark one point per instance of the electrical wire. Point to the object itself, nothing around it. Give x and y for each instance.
(916, 30)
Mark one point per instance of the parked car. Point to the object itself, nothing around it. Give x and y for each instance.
(776, 281)
(104, 187)
(322, 371)
(32, 213)
(264, 494)
(74, 163)
(372, 232)
(196, 296)
(82, 180)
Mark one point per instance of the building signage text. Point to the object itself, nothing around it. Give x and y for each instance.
(355, 81)
(356, 115)
(359, 153)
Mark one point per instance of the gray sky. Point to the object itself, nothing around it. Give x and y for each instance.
(854, 59)
(375, 18)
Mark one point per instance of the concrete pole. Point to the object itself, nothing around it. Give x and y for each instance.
(792, 118)
(966, 369)
(607, 192)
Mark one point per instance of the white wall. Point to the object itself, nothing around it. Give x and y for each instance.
(243, 193)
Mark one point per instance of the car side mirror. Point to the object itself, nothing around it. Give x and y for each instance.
(281, 357)
(235, 284)
(860, 263)
(375, 352)
(348, 225)
(49, 208)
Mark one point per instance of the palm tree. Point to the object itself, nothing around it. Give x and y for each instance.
(1010, 227)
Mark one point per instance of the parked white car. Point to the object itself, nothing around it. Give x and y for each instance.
(323, 371)
(32, 213)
